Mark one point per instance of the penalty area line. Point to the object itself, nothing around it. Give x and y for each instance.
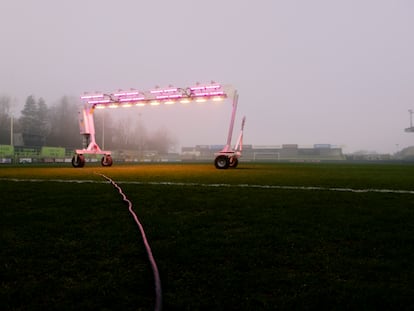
(190, 184)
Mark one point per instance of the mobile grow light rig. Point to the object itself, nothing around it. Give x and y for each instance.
(227, 157)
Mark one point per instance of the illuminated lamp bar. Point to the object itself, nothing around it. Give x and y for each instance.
(201, 94)
(201, 100)
(129, 99)
(92, 96)
(204, 87)
(212, 87)
(100, 107)
(175, 96)
(156, 91)
(140, 104)
(103, 101)
(216, 93)
(169, 96)
(113, 106)
(163, 91)
(127, 93)
(154, 103)
(197, 88)
(127, 105)
(161, 96)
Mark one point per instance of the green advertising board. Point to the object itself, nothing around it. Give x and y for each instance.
(52, 152)
(6, 151)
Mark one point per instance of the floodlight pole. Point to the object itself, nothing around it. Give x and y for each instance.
(11, 130)
(411, 128)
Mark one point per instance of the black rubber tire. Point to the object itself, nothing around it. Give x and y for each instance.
(233, 162)
(221, 162)
(78, 160)
(106, 160)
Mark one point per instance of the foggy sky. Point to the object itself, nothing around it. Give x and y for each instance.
(335, 72)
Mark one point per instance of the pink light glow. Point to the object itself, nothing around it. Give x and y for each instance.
(217, 99)
(212, 87)
(169, 96)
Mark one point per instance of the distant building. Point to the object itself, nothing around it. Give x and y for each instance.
(406, 154)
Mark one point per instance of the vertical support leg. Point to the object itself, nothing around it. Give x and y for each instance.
(227, 148)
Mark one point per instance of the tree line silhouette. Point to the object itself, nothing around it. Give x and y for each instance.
(57, 126)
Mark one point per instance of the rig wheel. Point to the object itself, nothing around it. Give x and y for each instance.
(233, 162)
(106, 160)
(222, 162)
(78, 160)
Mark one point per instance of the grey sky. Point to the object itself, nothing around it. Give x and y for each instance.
(307, 71)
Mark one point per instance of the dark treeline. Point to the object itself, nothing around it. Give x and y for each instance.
(57, 126)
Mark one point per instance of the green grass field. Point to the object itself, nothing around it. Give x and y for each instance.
(220, 240)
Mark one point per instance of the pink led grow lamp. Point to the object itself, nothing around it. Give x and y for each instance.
(228, 157)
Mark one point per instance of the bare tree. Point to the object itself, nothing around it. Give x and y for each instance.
(161, 141)
(63, 124)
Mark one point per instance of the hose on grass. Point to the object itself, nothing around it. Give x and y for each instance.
(157, 281)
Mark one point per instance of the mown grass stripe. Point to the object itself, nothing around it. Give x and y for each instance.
(190, 184)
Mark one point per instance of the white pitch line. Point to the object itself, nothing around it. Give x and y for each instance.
(76, 181)
(189, 184)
